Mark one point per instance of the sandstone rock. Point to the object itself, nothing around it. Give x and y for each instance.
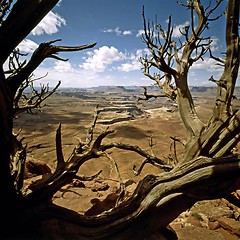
(238, 193)
(213, 209)
(204, 221)
(213, 225)
(230, 224)
(226, 234)
(36, 167)
(100, 187)
(197, 233)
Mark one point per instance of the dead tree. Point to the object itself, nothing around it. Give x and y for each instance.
(174, 60)
(208, 169)
(17, 21)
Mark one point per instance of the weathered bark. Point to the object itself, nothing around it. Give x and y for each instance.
(218, 140)
(45, 50)
(227, 82)
(12, 31)
(187, 111)
(22, 19)
(222, 134)
(208, 170)
(163, 55)
(10, 200)
(157, 200)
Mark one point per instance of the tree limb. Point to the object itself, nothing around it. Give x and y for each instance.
(158, 198)
(59, 152)
(152, 159)
(19, 20)
(28, 103)
(222, 109)
(44, 50)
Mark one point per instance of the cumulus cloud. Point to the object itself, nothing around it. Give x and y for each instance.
(133, 63)
(178, 29)
(71, 76)
(127, 32)
(117, 31)
(215, 44)
(208, 64)
(140, 33)
(128, 67)
(59, 3)
(63, 67)
(27, 46)
(49, 24)
(100, 58)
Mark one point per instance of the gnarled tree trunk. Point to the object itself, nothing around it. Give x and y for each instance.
(208, 169)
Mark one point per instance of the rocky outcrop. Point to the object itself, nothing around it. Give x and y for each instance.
(36, 167)
(209, 220)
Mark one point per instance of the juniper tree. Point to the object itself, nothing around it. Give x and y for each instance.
(209, 168)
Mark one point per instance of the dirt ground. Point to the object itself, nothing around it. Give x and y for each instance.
(207, 220)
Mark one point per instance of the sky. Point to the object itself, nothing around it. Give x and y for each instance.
(116, 26)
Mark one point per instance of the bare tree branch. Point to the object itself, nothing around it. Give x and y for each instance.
(59, 152)
(155, 196)
(122, 185)
(45, 50)
(148, 96)
(152, 159)
(158, 51)
(221, 61)
(18, 19)
(228, 79)
(89, 136)
(165, 55)
(28, 102)
(4, 8)
(209, 169)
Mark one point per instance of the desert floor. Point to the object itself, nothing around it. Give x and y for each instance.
(151, 122)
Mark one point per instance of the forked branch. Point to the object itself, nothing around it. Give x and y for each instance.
(161, 197)
(44, 50)
(150, 158)
(175, 60)
(33, 100)
(223, 108)
(23, 19)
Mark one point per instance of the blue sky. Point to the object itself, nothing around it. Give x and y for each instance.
(116, 27)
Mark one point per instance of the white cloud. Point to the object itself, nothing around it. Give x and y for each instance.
(133, 64)
(27, 46)
(68, 75)
(127, 32)
(117, 31)
(140, 33)
(109, 30)
(78, 77)
(59, 2)
(128, 67)
(100, 58)
(49, 24)
(208, 64)
(63, 67)
(215, 44)
(178, 29)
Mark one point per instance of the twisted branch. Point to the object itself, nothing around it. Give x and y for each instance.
(44, 50)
